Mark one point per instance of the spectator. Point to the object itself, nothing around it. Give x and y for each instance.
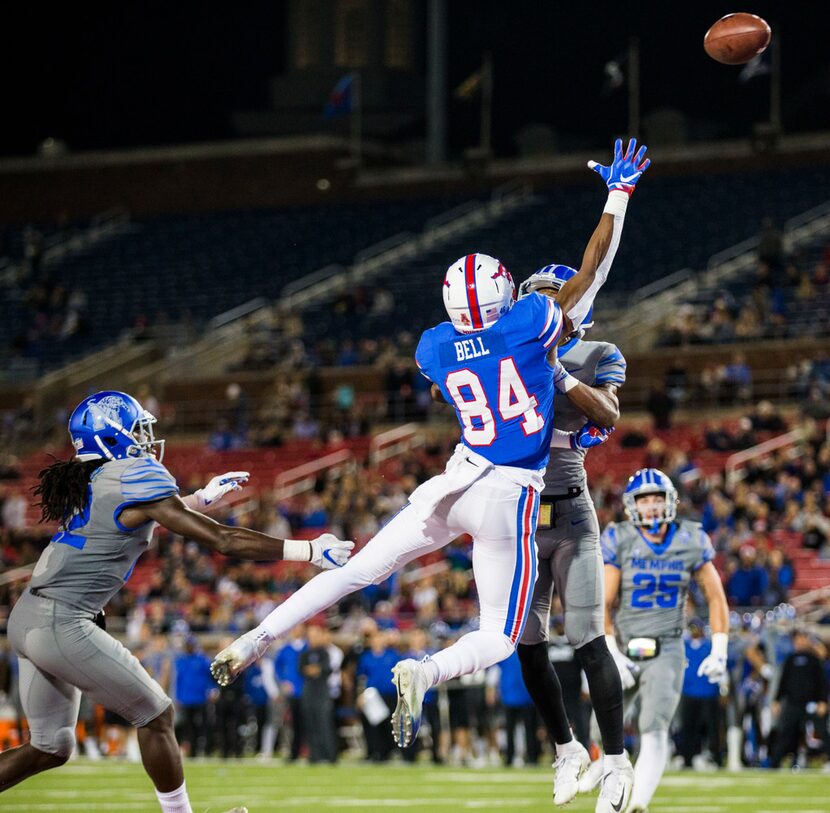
(737, 380)
(660, 406)
(770, 245)
(812, 522)
(700, 701)
(317, 707)
(518, 710)
(419, 647)
(261, 691)
(747, 585)
(231, 714)
(193, 686)
(801, 698)
(291, 682)
(373, 670)
(781, 577)
(766, 418)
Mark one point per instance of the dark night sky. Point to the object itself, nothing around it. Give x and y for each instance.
(153, 73)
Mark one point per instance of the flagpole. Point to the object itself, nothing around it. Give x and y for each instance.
(486, 127)
(436, 151)
(634, 88)
(775, 87)
(357, 120)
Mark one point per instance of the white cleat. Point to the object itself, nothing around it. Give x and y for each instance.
(615, 789)
(568, 768)
(411, 683)
(590, 779)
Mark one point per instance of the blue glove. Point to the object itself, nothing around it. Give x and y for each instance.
(589, 436)
(625, 170)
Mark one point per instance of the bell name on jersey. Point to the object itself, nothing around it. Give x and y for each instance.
(499, 381)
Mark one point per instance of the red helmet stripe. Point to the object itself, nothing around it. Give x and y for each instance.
(472, 293)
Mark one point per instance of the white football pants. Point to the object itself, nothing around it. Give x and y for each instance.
(501, 517)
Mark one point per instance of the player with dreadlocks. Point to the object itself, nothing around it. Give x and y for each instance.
(107, 500)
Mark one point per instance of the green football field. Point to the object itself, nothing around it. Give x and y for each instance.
(215, 786)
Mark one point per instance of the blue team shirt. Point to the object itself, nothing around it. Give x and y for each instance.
(695, 685)
(499, 381)
(377, 669)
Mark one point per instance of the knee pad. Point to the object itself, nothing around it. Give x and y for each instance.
(583, 625)
(63, 742)
(593, 653)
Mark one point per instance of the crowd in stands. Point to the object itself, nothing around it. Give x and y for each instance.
(179, 592)
(766, 306)
(53, 312)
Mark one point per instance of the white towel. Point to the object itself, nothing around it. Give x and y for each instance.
(463, 469)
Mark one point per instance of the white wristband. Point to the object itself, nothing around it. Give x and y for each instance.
(617, 203)
(720, 644)
(566, 383)
(296, 550)
(560, 439)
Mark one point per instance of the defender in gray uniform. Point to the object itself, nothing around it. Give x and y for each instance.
(650, 561)
(587, 375)
(107, 501)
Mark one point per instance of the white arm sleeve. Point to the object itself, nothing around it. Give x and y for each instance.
(616, 206)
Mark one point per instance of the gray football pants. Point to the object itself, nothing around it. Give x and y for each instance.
(63, 653)
(570, 561)
(654, 698)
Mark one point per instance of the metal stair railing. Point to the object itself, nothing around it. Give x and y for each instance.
(373, 261)
(101, 226)
(219, 346)
(650, 305)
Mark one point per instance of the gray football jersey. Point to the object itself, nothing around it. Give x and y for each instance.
(592, 363)
(654, 579)
(91, 557)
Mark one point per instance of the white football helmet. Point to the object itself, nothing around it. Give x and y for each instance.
(478, 291)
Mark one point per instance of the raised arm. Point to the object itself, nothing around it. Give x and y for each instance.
(577, 294)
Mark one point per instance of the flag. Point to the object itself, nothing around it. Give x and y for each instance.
(759, 65)
(341, 99)
(471, 86)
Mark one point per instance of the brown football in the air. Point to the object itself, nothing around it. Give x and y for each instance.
(737, 38)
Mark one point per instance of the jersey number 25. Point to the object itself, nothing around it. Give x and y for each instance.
(475, 412)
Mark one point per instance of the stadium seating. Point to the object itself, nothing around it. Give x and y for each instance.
(804, 315)
(673, 223)
(196, 266)
(193, 267)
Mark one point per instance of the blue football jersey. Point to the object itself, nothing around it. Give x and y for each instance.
(499, 381)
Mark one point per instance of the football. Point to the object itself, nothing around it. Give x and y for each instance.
(737, 38)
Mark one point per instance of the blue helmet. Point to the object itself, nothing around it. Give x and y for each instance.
(112, 425)
(554, 276)
(650, 481)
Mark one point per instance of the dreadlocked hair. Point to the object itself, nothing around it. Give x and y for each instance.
(64, 488)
